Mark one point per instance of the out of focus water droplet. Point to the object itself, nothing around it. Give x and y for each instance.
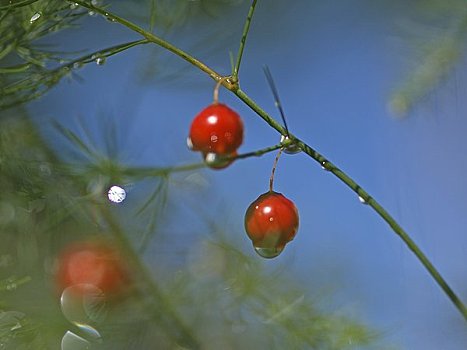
(290, 149)
(269, 253)
(77, 65)
(74, 6)
(116, 194)
(35, 17)
(100, 61)
(92, 13)
(71, 341)
(84, 305)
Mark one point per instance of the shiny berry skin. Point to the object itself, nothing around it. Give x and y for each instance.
(271, 221)
(216, 129)
(92, 263)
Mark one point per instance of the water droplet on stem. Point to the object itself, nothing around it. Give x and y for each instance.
(100, 61)
(362, 200)
(35, 17)
(291, 148)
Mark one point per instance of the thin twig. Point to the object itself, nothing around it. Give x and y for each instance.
(274, 166)
(246, 29)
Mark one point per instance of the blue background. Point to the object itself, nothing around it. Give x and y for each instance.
(335, 65)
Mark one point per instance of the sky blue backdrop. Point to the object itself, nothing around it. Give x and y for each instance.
(335, 64)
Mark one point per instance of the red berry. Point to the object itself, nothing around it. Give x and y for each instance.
(271, 221)
(91, 263)
(216, 129)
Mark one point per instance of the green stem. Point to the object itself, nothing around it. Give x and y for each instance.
(17, 4)
(142, 172)
(233, 86)
(260, 152)
(246, 29)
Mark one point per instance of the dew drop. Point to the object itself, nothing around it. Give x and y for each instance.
(215, 161)
(362, 200)
(108, 18)
(74, 6)
(100, 60)
(92, 13)
(71, 341)
(325, 165)
(116, 194)
(291, 148)
(269, 253)
(35, 17)
(84, 305)
(189, 143)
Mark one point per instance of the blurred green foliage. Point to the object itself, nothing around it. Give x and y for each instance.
(218, 298)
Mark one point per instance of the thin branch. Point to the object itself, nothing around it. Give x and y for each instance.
(17, 4)
(42, 82)
(260, 152)
(153, 38)
(277, 100)
(246, 30)
(143, 172)
(273, 172)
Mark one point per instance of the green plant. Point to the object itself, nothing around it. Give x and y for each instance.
(28, 78)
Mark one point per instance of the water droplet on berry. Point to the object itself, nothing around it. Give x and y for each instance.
(35, 17)
(291, 148)
(269, 253)
(116, 194)
(189, 143)
(216, 161)
(71, 341)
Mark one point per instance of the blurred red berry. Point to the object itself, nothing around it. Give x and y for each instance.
(92, 263)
